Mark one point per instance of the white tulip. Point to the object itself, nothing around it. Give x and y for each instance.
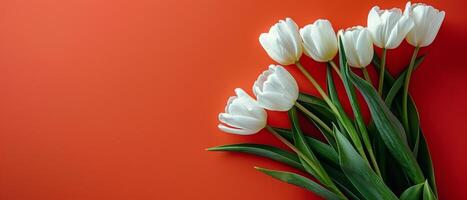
(388, 27)
(319, 40)
(427, 22)
(358, 46)
(276, 89)
(242, 115)
(283, 43)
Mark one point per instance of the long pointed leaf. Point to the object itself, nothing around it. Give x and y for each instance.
(313, 167)
(413, 193)
(397, 84)
(322, 150)
(335, 100)
(359, 172)
(424, 158)
(318, 106)
(427, 192)
(266, 151)
(346, 123)
(300, 181)
(343, 182)
(390, 129)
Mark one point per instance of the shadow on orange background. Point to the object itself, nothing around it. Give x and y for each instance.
(119, 99)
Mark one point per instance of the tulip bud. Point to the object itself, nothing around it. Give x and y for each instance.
(427, 21)
(276, 89)
(358, 46)
(283, 43)
(242, 115)
(319, 40)
(388, 27)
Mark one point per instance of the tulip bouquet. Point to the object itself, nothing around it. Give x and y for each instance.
(386, 157)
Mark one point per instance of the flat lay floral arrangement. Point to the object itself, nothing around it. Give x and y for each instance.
(386, 157)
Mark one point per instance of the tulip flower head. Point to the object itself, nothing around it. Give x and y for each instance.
(427, 21)
(283, 43)
(242, 115)
(319, 40)
(276, 89)
(388, 27)
(358, 46)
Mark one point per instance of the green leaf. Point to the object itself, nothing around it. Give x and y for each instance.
(390, 129)
(427, 193)
(359, 172)
(380, 150)
(412, 193)
(387, 76)
(424, 158)
(318, 122)
(333, 92)
(349, 88)
(323, 151)
(313, 166)
(343, 182)
(344, 119)
(335, 100)
(398, 83)
(300, 181)
(318, 106)
(266, 151)
(330, 159)
(413, 135)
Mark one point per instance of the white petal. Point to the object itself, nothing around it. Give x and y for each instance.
(270, 45)
(364, 48)
(288, 82)
(308, 43)
(274, 101)
(434, 28)
(243, 122)
(403, 26)
(235, 130)
(375, 26)
(297, 41)
(349, 48)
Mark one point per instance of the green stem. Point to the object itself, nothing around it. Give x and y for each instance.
(290, 145)
(405, 94)
(381, 72)
(336, 69)
(367, 75)
(318, 87)
(320, 171)
(313, 116)
(348, 126)
(369, 148)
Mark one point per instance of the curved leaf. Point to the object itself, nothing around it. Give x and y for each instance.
(359, 172)
(412, 193)
(427, 192)
(266, 151)
(300, 181)
(390, 129)
(317, 105)
(420, 147)
(322, 150)
(343, 182)
(424, 158)
(413, 135)
(313, 166)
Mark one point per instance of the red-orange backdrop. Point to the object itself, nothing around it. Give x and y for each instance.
(119, 99)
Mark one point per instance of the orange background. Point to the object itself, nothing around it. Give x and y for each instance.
(119, 99)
